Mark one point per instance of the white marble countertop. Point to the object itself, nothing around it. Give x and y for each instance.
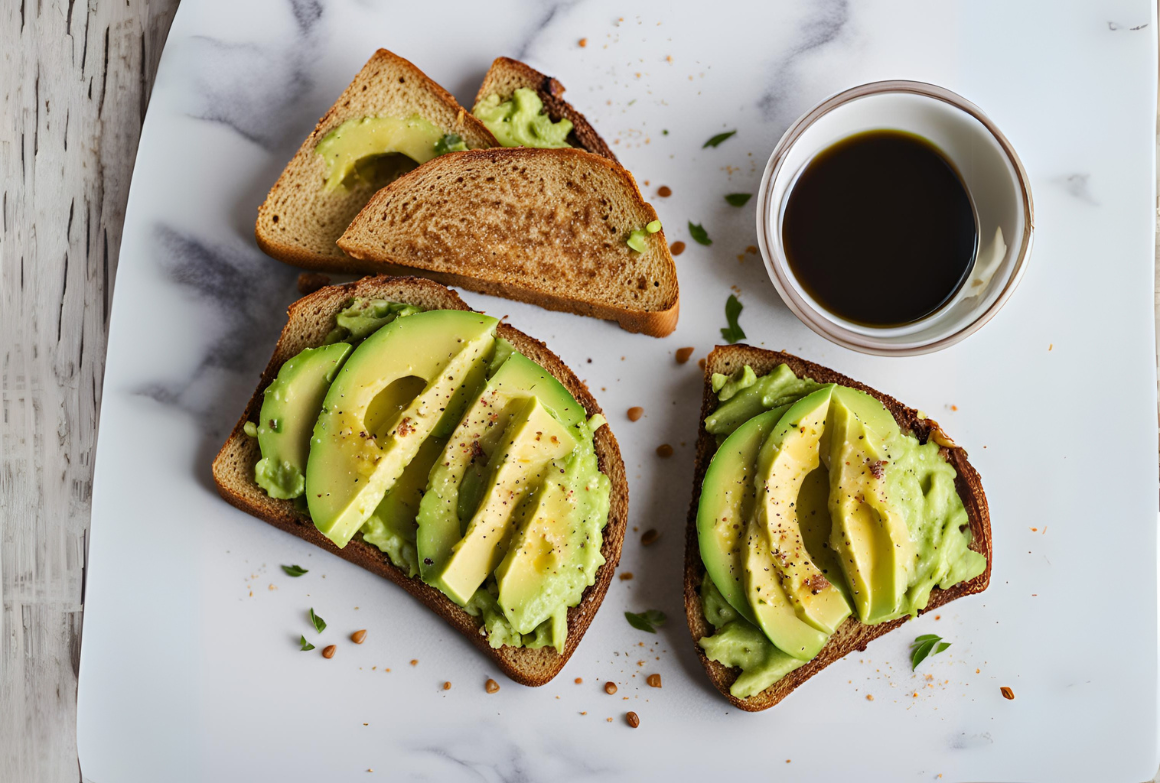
(231, 105)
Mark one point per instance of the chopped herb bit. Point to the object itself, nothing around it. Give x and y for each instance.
(665, 133)
(653, 227)
(699, 234)
(305, 644)
(733, 332)
(647, 621)
(716, 140)
(319, 623)
(294, 570)
(738, 199)
(925, 646)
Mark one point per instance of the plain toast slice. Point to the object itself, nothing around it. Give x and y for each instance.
(546, 226)
(506, 75)
(851, 635)
(299, 222)
(310, 320)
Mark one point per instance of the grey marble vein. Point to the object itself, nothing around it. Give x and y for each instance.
(826, 23)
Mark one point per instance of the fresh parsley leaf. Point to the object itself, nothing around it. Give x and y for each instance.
(319, 623)
(450, 142)
(294, 570)
(305, 644)
(720, 137)
(733, 332)
(738, 199)
(924, 646)
(665, 132)
(699, 234)
(647, 621)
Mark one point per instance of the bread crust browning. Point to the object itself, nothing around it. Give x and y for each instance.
(310, 320)
(851, 634)
(507, 75)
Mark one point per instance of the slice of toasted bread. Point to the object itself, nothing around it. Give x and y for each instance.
(310, 320)
(540, 226)
(851, 634)
(299, 222)
(506, 75)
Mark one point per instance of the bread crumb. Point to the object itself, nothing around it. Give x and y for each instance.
(491, 686)
(635, 412)
(579, 680)
(632, 719)
(358, 636)
(677, 248)
(414, 661)
(626, 576)
(701, 364)
(1008, 694)
(610, 688)
(650, 537)
(664, 191)
(664, 451)
(447, 686)
(328, 651)
(582, 42)
(869, 697)
(683, 354)
(751, 250)
(654, 680)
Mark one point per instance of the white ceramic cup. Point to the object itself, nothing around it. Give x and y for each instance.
(989, 167)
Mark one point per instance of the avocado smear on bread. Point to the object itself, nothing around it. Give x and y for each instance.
(521, 121)
(350, 150)
(817, 506)
(409, 429)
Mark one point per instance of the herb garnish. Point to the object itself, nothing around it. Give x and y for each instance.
(699, 234)
(450, 142)
(647, 621)
(305, 644)
(720, 137)
(294, 570)
(733, 332)
(924, 646)
(738, 199)
(319, 623)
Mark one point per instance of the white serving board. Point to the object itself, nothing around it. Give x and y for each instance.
(187, 676)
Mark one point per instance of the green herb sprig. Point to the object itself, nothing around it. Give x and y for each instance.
(294, 570)
(733, 332)
(716, 140)
(647, 621)
(305, 644)
(699, 234)
(319, 623)
(738, 199)
(924, 646)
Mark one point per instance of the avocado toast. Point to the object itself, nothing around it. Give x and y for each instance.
(823, 622)
(343, 495)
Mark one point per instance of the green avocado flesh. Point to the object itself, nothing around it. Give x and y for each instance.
(352, 145)
(814, 507)
(465, 462)
(520, 121)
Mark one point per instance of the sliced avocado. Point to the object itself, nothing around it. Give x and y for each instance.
(290, 406)
(389, 397)
(457, 479)
(789, 454)
(363, 137)
(727, 500)
(869, 534)
(555, 551)
(532, 440)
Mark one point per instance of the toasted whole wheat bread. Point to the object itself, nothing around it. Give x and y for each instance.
(506, 75)
(851, 634)
(299, 223)
(540, 226)
(310, 320)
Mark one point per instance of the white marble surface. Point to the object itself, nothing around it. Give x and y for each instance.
(186, 675)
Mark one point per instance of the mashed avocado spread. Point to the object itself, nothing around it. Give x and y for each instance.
(874, 513)
(521, 122)
(466, 463)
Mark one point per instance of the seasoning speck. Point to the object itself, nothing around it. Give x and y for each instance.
(583, 42)
(650, 537)
(869, 697)
(664, 191)
(579, 680)
(1008, 694)
(414, 661)
(626, 576)
(491, 686)
(664, 451)
(632, 719)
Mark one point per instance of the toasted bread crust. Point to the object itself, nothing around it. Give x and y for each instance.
(851, 635)
(310, 319)
(507, 75)
(291, 198)
(416, 246)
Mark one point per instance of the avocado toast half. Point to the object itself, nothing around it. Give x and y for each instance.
(850, 634)
(312, 320)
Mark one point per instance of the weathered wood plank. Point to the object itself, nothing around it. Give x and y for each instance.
(74, 82)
